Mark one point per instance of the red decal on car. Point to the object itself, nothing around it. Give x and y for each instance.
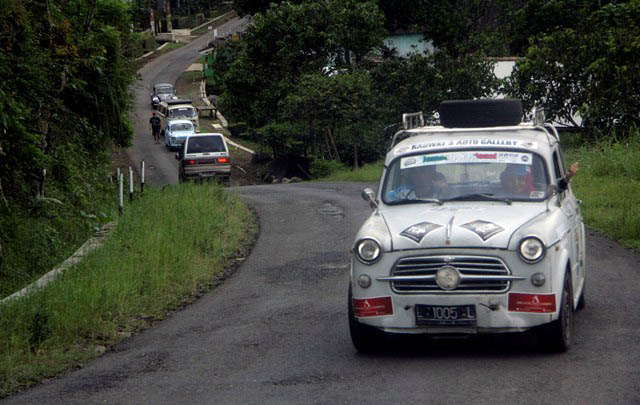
(377, 306)
(486, 155)
(540, 303)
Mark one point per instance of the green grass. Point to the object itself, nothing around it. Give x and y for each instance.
(608, 183)
(205, 29)
(169, 47)
(366, 173)
(167, 248)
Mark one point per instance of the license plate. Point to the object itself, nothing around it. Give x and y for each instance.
(446, 315)
(207, 174)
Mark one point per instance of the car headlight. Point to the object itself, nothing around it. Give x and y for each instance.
(531, 249)
(367, 251)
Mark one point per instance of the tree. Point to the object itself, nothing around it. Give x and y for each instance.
(356, 27)
(67, 66)
(464, 26)
(592, 70)
(421, 82)
(288, 41)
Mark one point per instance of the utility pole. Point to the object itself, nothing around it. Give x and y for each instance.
(167, 13)
(152, 21)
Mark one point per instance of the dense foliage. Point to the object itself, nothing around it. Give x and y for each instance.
(303, 82)
(63, 101)
(591, 70)
(576, 59)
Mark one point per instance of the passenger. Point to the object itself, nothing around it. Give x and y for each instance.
(517, 180)
(563, 183)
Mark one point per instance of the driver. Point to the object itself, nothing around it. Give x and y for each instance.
(427, 182)
(423, 182)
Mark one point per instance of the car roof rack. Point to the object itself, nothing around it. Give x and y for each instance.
(416, 120)
(409, 121)
(179, 101)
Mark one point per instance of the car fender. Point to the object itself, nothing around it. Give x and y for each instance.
(376, 228)
(560, 264)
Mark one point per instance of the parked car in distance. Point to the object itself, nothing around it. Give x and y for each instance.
(161, 92)
(174, 109)
(475, 230)
(204, 156)
(176, 132)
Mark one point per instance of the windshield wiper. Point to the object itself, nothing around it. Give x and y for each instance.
(476, 196)
(416, 200)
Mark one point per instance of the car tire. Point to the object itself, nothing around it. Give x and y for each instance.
(557, 335)
(365, 339)
(581, 300)
(480, 113)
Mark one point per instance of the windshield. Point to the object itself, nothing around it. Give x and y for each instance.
(202, 144)
(183, 126)
(472, 175)
(187, 112)
(164, 90)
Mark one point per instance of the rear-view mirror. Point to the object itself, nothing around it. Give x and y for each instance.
(370, 196)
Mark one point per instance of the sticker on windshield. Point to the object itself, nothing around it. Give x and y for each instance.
(483, 229)
(466, 157)
(418, 231)
(511, 143)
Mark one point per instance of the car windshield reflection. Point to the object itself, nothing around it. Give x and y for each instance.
(472, 175)
(182, 127)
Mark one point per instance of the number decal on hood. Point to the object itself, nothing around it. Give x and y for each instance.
(483, 229)
(418, 231)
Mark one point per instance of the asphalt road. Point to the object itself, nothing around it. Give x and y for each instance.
(160, 165)
(276, 330)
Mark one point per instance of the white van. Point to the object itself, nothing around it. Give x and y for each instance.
(177, 109)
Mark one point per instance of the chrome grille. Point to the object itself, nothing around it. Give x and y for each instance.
(479, 274)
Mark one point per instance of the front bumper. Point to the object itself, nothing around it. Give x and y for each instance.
(493, 314)
(176, 143)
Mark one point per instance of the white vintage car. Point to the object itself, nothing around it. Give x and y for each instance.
(475, 230)
(176, 132)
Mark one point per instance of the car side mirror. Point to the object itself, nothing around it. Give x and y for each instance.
(369, 196)
(552, 190)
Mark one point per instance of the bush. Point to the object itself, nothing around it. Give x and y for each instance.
(238, 129)
(323, 168)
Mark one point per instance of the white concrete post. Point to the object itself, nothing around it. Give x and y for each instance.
(142, 177)
(120, 200)
(130, 184)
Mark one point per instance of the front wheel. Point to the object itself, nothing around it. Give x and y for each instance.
(557, 335)
(581, 300)
(365, 339)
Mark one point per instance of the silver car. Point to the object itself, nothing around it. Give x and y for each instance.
(475, 229)
(161, 92)
(177, 131)
(204, 156)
